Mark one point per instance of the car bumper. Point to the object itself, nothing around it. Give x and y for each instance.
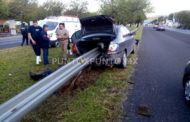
(160, 29)
(109, 59)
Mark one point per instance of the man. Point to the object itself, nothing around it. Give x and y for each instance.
(63, 36)
(34, 36)
(24, 32)
(44, 44)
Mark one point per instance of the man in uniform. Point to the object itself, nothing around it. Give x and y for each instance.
(34, 33)
(63, 36)
(24, 32)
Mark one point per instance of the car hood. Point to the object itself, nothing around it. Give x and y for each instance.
(97, 24)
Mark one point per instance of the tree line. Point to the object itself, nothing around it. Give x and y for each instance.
(124, 11)
(182, 17)
(27, 10)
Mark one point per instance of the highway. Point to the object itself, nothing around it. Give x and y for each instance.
(10, 42)
(162, 57)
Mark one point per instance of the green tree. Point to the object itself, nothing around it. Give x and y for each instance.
(130, 11)
(54, 8)
(3, 10)
(78, 8)
(161, 19)
(26, 10)
(183, 18)
(171, 16)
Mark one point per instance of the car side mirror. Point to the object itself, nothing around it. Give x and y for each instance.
(130, 34)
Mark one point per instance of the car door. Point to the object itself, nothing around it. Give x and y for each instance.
(128, 40)
(123, 39)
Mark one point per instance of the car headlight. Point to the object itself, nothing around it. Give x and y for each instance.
(113, 47)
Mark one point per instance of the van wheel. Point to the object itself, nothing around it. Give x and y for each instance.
(124, 60)
(187, 92)
(57, 44)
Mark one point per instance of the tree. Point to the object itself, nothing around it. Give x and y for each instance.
(54, 8)
(26, 10)
(161, 19)
(130, 11)
(3, 10)
(183, 18)
(171, 16)
(78, 8)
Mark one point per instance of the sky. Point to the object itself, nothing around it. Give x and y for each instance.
(165, 7)
(161, 7)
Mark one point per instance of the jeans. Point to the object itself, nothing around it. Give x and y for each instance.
(45, 56)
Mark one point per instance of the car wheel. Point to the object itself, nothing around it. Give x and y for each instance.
(57, 44)
(124, 60)
(187, 92)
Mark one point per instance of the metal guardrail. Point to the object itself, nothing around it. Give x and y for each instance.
(17, 107)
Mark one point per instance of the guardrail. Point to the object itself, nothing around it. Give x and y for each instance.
(17, 107)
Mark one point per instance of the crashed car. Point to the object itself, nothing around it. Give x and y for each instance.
(115, 41)
(186, 83)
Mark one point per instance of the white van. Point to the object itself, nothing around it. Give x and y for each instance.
(72, 24)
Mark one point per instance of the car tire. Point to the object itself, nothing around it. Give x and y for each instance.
(187, 92)
(124, 60)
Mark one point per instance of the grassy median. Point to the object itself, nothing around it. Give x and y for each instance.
(138, 35)
(96, 97)
(15, 65)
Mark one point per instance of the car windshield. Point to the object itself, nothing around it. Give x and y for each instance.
(51, 25)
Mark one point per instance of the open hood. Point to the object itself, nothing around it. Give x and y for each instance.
(97, 24)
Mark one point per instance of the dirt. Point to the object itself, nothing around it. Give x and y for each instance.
(84, 79)
(144, 110)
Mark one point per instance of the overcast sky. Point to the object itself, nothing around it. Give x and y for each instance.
(161, 7)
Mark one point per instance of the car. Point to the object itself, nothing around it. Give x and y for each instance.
(160, 28)
(155, 26)
(186, 83)
(116, 42)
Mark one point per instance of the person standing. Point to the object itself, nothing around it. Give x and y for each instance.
(44, 44)
(24, 32)
(63, 37)
(34, 33)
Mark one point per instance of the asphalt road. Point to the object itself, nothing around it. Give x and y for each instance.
(158, 78)
(10, 42)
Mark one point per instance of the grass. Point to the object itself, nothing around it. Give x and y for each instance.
(99, 101)
(15, 65)
(138, 35)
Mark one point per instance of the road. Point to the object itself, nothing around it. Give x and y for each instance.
(162, 57)
(10, 42)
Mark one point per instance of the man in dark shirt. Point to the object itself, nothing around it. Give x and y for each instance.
(44, 44)
(24, 32)
(34, 33)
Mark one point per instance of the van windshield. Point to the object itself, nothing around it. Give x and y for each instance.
(51, 25)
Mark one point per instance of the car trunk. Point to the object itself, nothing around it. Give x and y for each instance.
(96, 31)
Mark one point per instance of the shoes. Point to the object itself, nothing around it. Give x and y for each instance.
(38, 60)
